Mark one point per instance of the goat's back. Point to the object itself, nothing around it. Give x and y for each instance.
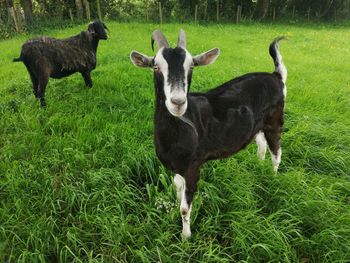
(258, 91)
(69, 55)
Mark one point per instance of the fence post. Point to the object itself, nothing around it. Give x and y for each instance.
(79, 7)
(70, 14)
(217, 10)
(274, 14)
(293, 12)
(14, 17)
(87, 9)
(195, 14)
(147, 10)
(15, 13)
(308, 14)
(160, 13)
(238, 14)
(99, 9)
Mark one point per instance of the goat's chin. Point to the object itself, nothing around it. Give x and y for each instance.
(177, 111)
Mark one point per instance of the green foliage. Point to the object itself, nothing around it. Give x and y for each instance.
(80, 181)
(40, 13)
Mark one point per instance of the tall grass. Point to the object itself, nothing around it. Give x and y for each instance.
(80, 182)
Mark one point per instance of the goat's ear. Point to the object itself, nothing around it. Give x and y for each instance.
(140, 60)
(206, 58)
(105, 27)
(91, 27)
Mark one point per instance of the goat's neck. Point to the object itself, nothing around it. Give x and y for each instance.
(94, 44)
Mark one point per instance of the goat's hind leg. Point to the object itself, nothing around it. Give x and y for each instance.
(272, 130)
(35, 82)
(273, 140)
(179, 182)
(261, 142)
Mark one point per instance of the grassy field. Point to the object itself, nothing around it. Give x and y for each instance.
(80, 181)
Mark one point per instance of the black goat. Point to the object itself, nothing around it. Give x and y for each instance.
(192, 128)
(46, 57)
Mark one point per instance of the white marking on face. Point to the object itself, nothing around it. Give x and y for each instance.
(176, 96)
(188, 64)
(261, 142)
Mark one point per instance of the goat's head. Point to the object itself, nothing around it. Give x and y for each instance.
(172, 69)
(98, 29)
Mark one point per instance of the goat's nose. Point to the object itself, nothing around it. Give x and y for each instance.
(178, 101)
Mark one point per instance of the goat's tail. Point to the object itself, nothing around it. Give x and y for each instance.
(280, 68)
(17, 59)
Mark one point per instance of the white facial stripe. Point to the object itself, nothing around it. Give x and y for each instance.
(187, 66)
(164, 68)
(170, 92)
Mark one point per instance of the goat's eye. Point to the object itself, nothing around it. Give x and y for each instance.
(155, 68)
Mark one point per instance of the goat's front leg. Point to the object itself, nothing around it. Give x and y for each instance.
(179, 182)
(87, 78)
(43, 80)
(190, 187)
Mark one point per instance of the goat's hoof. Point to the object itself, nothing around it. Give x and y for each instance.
(42, 103)
(261, 157)
(185, 235)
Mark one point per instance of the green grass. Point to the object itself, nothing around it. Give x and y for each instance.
(80, 181)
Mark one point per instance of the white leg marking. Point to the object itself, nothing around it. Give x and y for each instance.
(179, 182)
(276, 159)
(261, 142)
(185, 212)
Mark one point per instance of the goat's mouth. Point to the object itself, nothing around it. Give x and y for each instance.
(176, 110)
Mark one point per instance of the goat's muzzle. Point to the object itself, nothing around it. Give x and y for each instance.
(177, 105)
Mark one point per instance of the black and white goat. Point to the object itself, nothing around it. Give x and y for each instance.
(192, 128)
(46, 57)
